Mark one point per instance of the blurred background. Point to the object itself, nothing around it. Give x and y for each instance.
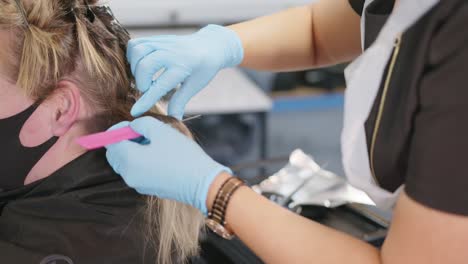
(250, 116)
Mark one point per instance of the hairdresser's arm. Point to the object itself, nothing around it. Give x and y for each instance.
(172, 166)
(324, 33)
(418, 235)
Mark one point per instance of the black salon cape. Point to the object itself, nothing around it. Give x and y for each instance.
(83, 213)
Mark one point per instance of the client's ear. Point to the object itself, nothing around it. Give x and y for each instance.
(65, 103)
(54, 117)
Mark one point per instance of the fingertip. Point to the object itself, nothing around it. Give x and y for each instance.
(177, 114)
(136, 110)
(117, 154)
(149, 99)
(179, 101)
(144, 104)
(175, 109)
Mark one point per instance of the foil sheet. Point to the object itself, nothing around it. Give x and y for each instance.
(303, 182)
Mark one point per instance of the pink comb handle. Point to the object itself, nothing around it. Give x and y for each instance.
(100, 140)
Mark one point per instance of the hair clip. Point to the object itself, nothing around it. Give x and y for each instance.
(21, 9)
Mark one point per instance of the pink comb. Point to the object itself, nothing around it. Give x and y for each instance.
(100, 140)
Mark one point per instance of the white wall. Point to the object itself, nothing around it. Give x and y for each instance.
(197, 12)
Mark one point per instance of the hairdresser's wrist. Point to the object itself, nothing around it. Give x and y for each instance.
(233, 49)
(214, 188)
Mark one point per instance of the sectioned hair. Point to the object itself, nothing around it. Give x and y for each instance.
(57, 41)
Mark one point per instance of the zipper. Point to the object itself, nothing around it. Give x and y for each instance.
(396, 51)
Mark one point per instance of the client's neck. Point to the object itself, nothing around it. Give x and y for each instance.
(12, 102)
(62, 152)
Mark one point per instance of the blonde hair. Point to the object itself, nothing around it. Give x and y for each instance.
(61, 40)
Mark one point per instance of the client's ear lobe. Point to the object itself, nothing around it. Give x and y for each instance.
(66, 100)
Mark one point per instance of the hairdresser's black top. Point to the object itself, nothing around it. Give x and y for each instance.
(422, 139)
(83, 213)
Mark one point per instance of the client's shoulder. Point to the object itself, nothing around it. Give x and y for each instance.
(84, 211)
(90, 180)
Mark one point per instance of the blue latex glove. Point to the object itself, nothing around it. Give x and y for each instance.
(171, 166)
(192, 60)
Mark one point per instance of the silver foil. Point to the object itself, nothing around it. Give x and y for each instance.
(303, 182)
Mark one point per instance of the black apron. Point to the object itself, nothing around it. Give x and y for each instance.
(417, 128)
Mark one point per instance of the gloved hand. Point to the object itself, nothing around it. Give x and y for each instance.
(171, 166)
(192, 60)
